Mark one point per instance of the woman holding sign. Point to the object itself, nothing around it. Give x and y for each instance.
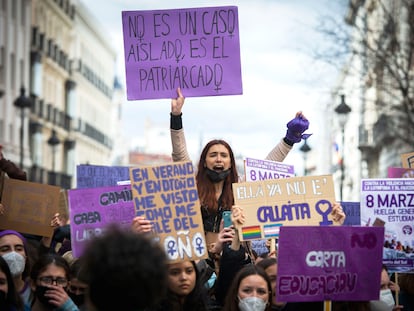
(217, 170)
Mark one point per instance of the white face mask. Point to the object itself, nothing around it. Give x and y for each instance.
(252, 304)
(387, 298)
(16, 263)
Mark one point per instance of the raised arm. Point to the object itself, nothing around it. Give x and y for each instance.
(179, 146)
(11, 169)
(294, 134)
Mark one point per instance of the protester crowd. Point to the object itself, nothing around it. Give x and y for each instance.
(127, 270)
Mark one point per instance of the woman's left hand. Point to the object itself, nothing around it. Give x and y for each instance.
(57, 295)
(338, 214)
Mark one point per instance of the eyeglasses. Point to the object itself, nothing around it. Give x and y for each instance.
(48, 280)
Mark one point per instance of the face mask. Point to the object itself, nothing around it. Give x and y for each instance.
(387, 298)
(77, 299)
(40, 295)
(16, 263)
(216, 177)
(252, 304)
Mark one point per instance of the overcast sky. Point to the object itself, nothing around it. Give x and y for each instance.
(279, 76)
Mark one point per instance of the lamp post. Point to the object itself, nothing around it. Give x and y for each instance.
(53, 141)
(22, 102)
(342, 110)
(305, 148)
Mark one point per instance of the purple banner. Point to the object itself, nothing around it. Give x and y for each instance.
(329, 263)
(197, 49)
(400, 172)
(352, 211)
(92, 209)
(91, 176)
(257, 169)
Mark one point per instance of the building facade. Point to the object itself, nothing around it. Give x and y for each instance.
(378, 83)
(64, 60)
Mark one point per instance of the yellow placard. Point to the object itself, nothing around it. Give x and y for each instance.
(167, 196)
(29, 207)
(269, 204)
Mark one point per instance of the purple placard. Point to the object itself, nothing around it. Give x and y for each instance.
(257, 169)
(352, 211)
(329, 263)
(92, 209)
(197, 49)
(400, 172)
(389, 203)
(91, 176)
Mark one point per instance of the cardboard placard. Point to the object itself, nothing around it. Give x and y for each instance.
(197, 49)
(407, 160)
(167, 196)
(269, 204)
(329, 263)
(29, 207)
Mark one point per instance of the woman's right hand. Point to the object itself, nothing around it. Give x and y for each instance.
(177, 103)
(141, 225)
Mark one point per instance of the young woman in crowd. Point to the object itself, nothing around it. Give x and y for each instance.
(49, 281)
(251, 290)
(216, 169)
(14, 252)
(10, 299)
(185, 291)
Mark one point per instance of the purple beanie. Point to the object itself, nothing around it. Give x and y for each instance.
(12, 232)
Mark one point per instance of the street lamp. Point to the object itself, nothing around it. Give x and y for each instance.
(305, 148)
(22, 102)
(53, 141)
(342, 110)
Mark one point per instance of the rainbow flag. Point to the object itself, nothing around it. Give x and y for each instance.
(251, 233)
(271, 231)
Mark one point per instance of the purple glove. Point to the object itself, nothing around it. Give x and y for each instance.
(296, 127)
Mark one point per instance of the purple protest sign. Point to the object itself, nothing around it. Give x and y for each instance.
(329, 263)
(91, 176)
(92, 209)
(400, 172)
(197, 49)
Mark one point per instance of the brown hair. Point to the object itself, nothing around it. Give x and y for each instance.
(205, 187)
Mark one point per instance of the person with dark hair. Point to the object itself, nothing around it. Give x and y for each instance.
(387, 292)
(10, 299)
(77, 289)
(124, 271)
(406, 295)
(250, 290)
(13, 249)
(216, 169)
(49, 281)
(185, 289)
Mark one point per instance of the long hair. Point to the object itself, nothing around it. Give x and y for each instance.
(196, 300)
(13, 298)
(232, 297)
(205, 187)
